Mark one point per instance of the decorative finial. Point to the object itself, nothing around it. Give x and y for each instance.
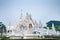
(40, 23)
(9, 24)
(21, 12)
(27, 13)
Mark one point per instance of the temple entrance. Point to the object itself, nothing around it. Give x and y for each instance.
(30, 26)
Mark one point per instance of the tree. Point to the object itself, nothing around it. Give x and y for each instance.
(2, 28)
(45, 27)
(57, 27)
(5, 38)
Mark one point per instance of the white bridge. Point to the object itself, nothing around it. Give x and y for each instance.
(26, 36)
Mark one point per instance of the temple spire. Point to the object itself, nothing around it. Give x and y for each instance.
(9, 24)
(53, 26)
(21, 15)
(21, 12)
(28, 16)
(40, 24)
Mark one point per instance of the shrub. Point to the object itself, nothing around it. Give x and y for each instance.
(5, 38)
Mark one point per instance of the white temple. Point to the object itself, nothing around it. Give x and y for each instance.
(29, 26)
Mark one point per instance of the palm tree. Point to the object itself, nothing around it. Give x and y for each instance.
(2, 28)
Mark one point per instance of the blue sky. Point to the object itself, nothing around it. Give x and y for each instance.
(43, 10)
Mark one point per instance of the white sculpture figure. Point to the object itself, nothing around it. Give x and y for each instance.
(53, 30)
(47, 31)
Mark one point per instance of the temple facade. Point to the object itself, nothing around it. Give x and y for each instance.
(26, 24)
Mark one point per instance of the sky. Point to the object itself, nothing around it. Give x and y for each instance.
(41, 10)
